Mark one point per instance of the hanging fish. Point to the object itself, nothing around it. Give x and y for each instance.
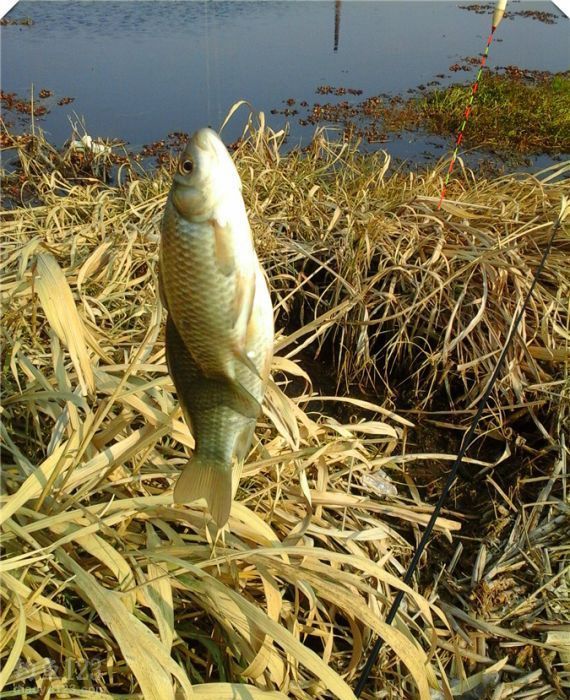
(219, 332)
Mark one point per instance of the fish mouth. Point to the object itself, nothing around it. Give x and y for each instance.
(205, 139)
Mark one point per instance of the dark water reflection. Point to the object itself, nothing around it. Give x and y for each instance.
(139, 70)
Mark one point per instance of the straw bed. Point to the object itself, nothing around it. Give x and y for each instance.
(109, 590)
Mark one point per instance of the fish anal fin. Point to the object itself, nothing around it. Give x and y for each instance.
(242, 401)
(202, 478)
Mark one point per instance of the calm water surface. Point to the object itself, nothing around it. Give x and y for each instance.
(139, 70)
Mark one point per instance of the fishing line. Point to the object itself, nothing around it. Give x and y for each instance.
(208, 72)
(465, 444)
(213, 92)
(468, 438)
(217, 65)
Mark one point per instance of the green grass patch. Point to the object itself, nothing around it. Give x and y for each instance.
(509, 113)
(515, 113)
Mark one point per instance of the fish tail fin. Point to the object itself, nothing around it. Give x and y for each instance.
(204, 478)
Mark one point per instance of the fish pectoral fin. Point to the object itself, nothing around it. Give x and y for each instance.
(202, 478)
(244, 295)
(223, 251)
(242, 311)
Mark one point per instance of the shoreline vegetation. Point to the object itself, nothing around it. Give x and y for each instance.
(518, 114)
(109, 588)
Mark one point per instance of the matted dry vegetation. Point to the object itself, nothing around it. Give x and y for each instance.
(111, 591)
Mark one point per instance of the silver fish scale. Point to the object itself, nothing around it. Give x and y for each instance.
(199, 297)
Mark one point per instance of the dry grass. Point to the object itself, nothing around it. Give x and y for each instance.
(111, 591)
(430, 295)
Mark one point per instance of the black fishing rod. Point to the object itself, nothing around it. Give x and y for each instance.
(465, 444)
(468, 438)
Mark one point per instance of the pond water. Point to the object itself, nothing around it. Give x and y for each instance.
(139, 70)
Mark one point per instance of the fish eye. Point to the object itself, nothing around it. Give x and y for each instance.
(186, 167)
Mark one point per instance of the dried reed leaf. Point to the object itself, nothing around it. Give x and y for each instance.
(561, 640)
(33, 485)
(17, 646)
(158, 595)
(244, 613)
(235, 691)
(550, 354)
(60, 310)
(102, 550)
(148, 659)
